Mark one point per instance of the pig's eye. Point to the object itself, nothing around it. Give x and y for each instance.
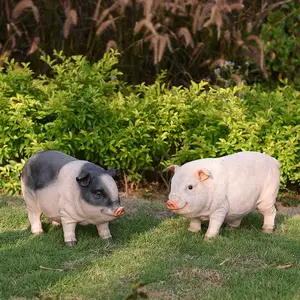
(99, 193)
(190, 187)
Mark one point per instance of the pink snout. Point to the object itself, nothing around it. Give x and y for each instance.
(119, 212)
(171, 204)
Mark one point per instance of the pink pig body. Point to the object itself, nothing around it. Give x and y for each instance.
(225, 189)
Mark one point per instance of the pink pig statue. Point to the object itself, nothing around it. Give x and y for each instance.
(225, 189)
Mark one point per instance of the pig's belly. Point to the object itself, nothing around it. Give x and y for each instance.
(241, 207)
(47, 200)
(243, 195)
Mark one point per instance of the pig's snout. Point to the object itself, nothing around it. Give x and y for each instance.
(174, 205)
(171, 204)
(119, 212)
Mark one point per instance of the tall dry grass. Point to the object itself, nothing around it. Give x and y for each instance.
(188, 37)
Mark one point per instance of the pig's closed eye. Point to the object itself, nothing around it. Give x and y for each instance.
(190, 187)
(99, 193)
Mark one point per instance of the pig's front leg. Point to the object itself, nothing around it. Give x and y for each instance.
(103, 231)
(215, 222)
(195, 225)
(69, 227)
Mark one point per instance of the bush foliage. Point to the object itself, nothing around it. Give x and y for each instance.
(85, 110)
(282, 43)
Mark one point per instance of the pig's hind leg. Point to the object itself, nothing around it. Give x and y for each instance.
(233, 224)
(35, 221)
(34, 213)
(266, 206)
(267, 199)
(54, 223)
(269, 214)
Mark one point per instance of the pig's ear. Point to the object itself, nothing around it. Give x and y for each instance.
(173, 168)
(84, 179)
(203, 174)
(113, 172)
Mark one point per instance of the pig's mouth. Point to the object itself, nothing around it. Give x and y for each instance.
(172, 205)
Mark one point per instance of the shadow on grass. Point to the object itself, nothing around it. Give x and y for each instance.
(23, 254)
(254, 221)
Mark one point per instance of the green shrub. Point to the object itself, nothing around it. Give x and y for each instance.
(282, 43)
(221, 123)
(85, 110)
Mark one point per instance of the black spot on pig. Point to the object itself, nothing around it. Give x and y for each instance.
(41, 169)
(97, 186)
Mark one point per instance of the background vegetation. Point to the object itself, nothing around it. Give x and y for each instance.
(193, 79)
(85, 110)
(191, 39)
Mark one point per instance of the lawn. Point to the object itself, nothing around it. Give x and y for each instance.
(153, 246)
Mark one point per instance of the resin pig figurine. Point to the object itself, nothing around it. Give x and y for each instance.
(69, 191)
(225, 189)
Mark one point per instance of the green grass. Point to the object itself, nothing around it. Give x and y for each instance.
(149, 246)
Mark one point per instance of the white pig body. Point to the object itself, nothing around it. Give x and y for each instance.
(226, 189)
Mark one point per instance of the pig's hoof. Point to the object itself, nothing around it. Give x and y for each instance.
(106, 238)
(37, 232)
(268, 230)
(70, 243)
(191, 229)
(108, 241)
(229, 227)
(209, 238)
(54, 223)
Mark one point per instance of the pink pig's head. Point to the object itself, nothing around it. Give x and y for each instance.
(190, 189)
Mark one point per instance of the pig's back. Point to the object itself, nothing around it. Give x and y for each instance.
(42, 168)
(249, 165)
(62, 192)
(234, 162)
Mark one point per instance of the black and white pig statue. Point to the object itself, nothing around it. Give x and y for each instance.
(69, 191)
